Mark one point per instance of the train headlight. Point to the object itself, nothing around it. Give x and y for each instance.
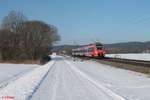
(96, 52)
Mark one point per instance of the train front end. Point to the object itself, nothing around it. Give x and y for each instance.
(99, 50)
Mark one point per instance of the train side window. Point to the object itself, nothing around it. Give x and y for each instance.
(90, 49)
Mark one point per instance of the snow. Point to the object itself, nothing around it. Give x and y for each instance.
(65, 82)
(88, 80)
(23, 87)
(104, 89)
(9, 71)
(65, 79)
(128, 84)
(133, 56)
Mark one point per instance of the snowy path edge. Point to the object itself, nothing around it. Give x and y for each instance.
(23, 88)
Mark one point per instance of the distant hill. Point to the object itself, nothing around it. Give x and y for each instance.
(125, 47)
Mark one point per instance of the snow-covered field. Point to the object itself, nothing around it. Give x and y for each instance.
(8, 71)
(11, 72)
(23, 87)
(137, 56)
(65, 79)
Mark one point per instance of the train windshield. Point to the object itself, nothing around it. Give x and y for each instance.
(99, 46)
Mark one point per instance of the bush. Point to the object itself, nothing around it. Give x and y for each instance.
(44, 59)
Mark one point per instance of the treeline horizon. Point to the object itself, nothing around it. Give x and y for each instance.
(23, 39)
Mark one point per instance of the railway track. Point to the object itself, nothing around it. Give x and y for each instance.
(128, 61)
(129, 64)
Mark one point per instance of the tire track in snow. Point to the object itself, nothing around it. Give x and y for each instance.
(50, 87)
(36, 88)
(8, 81)
(107, 91)
(87, 84)
(55, 87)
(11, 79)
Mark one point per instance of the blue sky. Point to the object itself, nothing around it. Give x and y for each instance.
(87, 21)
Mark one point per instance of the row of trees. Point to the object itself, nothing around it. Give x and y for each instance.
(21, 38)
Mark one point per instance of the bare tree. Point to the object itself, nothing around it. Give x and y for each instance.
(10, 33)
(22, 39)
(13, 20)
(37, 36)
(6, 44)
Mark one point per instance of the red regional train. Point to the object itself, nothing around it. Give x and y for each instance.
(91, 50)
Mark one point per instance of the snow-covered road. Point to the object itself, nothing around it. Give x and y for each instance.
(65, 79)
(65, 82)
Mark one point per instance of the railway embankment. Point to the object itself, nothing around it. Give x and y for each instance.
(134, 65)
(128, 64)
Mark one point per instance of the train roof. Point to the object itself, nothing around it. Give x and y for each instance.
(97, 44)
